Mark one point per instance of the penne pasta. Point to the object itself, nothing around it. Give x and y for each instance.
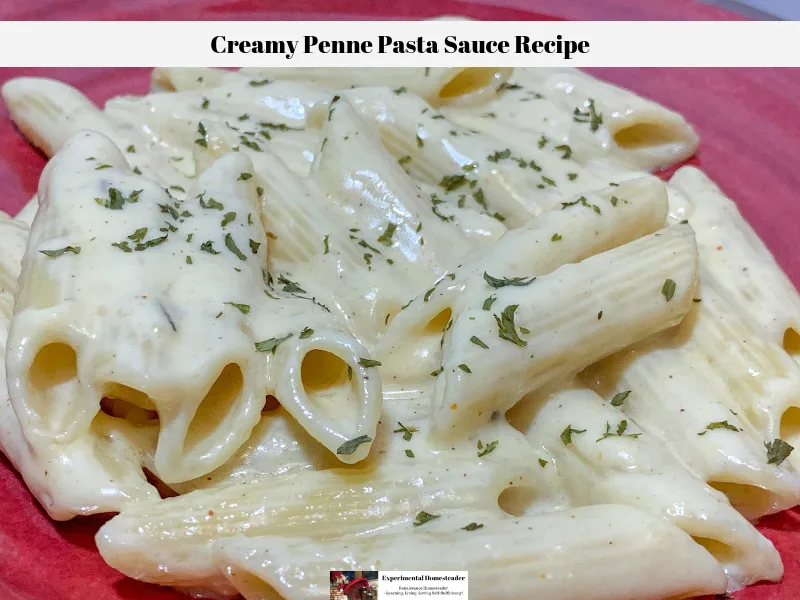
(112, 477)
(28, 212)
(559, 312)
(13, 236)
(605, 458)
(760, 379)
(182, 79)
(325, 246)
(284, 321)
(254, 118)
(43, 334)
(510, 182)
(438, 86)
(203, 424)
(150, 541)
(514, 558)
(49, 112)
(596, 119)
(413, 345)
(737, 262)
(379, 187)
(678, 399)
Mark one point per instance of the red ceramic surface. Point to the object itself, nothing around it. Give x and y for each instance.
(750, 144)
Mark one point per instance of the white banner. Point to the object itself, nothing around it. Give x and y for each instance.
(400, 44)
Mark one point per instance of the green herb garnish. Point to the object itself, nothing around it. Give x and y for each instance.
(201, 141)
(566, 435)
(271, 344)
(505, 324)
(621, 428)
(211, 204)
(499, 155)
(583, 202)
(208, 247)
(668, 289)
(151, 243)
(719, 425)
(590, 116)
(170, 210)
(478, 342)
(243, 308)
(386, 236)
(488, 449)
(777, 451)
(61, 251)
(124, 246)
(407, 432)
(117, 199)
(566, 150)
(290, 286)
(253, 146)
(452, 182)
(619, 398)
(368, 363)
(507, 281)
(231, 245)
(138, 235)
(350, 446)
(423, 517)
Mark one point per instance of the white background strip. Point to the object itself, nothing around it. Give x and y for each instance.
(611, 43)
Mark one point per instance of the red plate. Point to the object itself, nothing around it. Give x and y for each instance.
(750, 144)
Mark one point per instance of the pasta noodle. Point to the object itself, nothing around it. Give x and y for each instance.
(597, 120)
(501, 557)
(572, 301)
(459, 85)
(628, 466)
(737, 261)
(151, 542)
(105, 460)
(628, 211)
(516, 182)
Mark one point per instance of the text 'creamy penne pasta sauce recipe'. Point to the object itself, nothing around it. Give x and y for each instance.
(287, 321)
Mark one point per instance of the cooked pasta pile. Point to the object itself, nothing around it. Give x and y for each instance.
(286, 321)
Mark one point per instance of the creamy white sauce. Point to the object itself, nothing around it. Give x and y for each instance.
(359, 202)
